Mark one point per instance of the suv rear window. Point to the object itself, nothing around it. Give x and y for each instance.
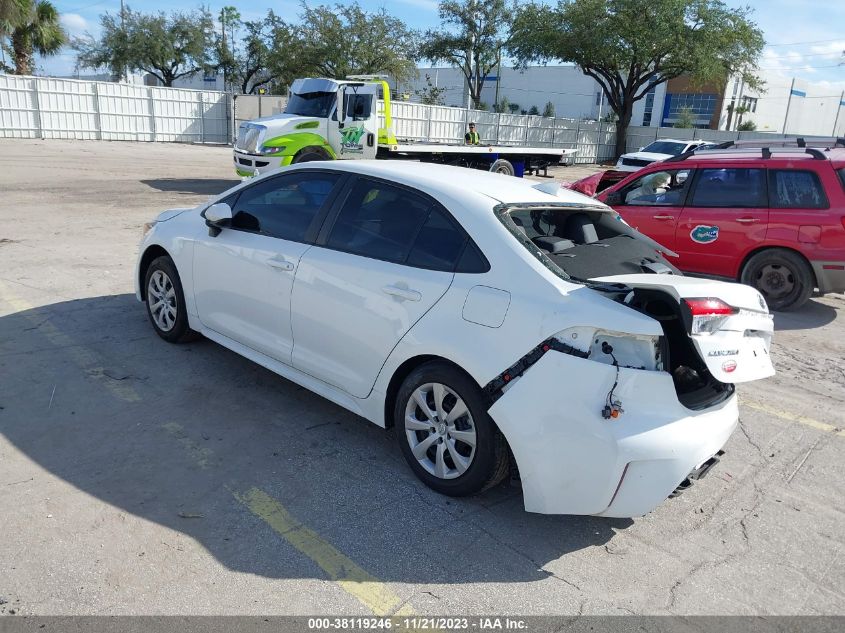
(794, 189)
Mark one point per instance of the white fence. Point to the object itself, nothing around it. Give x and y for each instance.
(42, 107)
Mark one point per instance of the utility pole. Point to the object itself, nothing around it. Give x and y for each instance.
(223, 36)
(498, 79)
(123, 73)
(788, 103)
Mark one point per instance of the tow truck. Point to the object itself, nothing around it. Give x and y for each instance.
(313, 127)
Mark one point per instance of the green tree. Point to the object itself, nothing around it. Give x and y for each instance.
(165, 46)
(230, 21)
(549, 110)
(630, 46)
(38, 30)
(534, 110)
(513, 107)
(12, 12)
(471, 38)
(503, 105)
(431, 94)
(685, 118)
(341, 40)
(254, 64)
(746, 126)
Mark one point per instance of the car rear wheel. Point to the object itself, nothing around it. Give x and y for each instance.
(445, 433)
(783, 278)
(166, 301)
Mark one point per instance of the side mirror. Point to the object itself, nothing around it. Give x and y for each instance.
(614, 197)
(341, 107)
(218, 216)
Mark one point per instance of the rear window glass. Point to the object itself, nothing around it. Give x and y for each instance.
(729, 187)
(665, 147)
(842, 176)
(794, 189)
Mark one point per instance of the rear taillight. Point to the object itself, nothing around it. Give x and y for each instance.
(706, 315)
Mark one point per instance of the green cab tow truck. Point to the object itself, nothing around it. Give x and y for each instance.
(313, 127)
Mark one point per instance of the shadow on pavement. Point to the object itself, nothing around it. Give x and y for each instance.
(812, 314)
(175, 434)
(209, 186)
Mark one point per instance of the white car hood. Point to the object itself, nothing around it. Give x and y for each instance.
(652, 156)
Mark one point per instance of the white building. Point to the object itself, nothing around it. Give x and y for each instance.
(791, 106)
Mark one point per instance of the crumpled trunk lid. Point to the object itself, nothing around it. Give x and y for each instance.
(735, 345)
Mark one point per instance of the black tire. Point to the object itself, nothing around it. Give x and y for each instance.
(309, 154)
(783, 277)
(503, 167)
(179, 332)
(489, 460)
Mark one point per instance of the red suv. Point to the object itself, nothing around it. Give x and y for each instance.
(772, 218)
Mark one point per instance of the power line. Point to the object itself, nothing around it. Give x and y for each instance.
(834, 39)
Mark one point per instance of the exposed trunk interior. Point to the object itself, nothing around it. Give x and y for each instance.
(695, 386)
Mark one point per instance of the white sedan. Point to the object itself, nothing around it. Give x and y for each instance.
(496, 326)
(660, 149)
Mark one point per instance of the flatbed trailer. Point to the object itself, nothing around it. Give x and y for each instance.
(327, 119)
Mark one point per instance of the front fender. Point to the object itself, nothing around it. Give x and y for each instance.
(297, 141)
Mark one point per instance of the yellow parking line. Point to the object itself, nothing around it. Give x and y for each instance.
(352, 578)
(80, 355)
(356, 581)
(793, 417)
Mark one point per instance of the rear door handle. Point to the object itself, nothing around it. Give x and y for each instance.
(748, 220)
(664, 217)
(280, 263)
(402, 293)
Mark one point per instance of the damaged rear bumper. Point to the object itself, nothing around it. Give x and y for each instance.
(572, 461)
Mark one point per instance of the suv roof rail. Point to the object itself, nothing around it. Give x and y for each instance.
(765, 150)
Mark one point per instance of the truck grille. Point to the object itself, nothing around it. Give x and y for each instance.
(248, 135)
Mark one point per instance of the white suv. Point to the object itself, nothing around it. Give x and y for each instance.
(659, 150)
(478, 315)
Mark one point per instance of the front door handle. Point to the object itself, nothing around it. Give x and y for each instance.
(664, 217)
(280, 263)
(402, 293)
(748, 220)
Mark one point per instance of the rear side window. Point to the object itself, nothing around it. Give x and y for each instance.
(438, 244)
(379, 221)
(283, 207)
(729, 187)
(794, 189)
(842, 176)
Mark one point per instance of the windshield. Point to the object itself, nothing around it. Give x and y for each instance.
(317, 104)
(665, 147)
(581, 243)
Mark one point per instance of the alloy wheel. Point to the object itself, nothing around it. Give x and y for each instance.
(440, 430)
(161, 299)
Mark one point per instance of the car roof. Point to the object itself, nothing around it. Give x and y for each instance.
(754, 155)
(458, 181)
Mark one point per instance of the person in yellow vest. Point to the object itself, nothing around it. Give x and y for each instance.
(472, 137)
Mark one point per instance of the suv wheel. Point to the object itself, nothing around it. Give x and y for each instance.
(783, 277)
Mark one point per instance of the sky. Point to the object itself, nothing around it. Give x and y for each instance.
(805, 37)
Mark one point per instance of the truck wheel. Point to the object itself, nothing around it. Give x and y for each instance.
(502, 166)
(783, 278)
(310, 153)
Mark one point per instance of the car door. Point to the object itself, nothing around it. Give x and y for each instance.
(726, 216)
(652, 207)
(244, 275)
(357, 136)
(382, 261)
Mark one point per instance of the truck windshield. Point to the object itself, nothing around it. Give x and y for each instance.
(317, 104)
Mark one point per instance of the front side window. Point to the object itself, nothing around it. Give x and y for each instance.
(729, 187)
(794, 189)
(316, 104)
(665, 188)
(283, 207)
(379, 221)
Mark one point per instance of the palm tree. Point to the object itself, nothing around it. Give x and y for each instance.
(39, 32)
(11, 12)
